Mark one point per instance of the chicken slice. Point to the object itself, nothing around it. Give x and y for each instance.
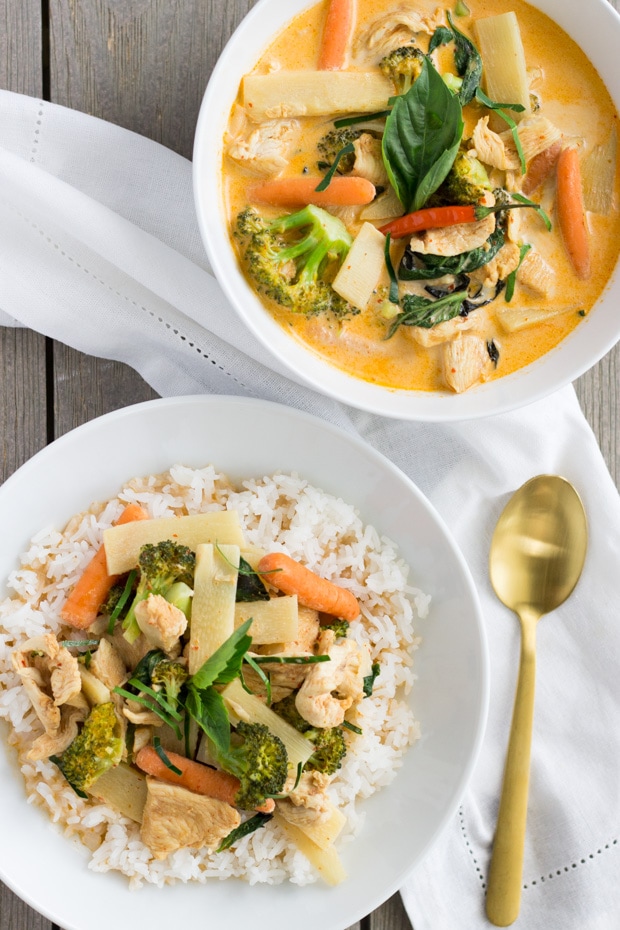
(454, 240)
(536, 274)
(331, 688)
(498, 269)
(162, 623)
(309, 802)
(492, 149)
(442, 332)
(267, 148)
(175, 818)
(65, 679)
(53, 743)
(396, 28)
(107, 664)
(369, 160)
(466, 361)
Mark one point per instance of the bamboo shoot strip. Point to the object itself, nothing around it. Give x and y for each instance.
(360, 272)
(505, 70)
(123, 543)
(213, 604)
(273, 621)
(285, 94)
(325, 861)
(122, 788)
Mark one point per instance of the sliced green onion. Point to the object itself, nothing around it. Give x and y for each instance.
(366, 118)
(159, 749)
(500, 109)
(157, 696)
(512, 277)
(393, 295)
(122, 600)
(461, 8)
(536, 206)
(261, 674)
(351, 726)
(244, 829)
(78, 643)
(346, 150)
(154, 708)
(286, 660)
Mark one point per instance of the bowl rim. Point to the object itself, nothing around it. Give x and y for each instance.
(83, 434)
(510, 392)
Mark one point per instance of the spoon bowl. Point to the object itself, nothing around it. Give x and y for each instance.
(537, 554)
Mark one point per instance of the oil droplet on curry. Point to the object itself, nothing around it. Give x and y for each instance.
(451, 298)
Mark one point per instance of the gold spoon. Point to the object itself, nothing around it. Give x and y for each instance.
(537, 554)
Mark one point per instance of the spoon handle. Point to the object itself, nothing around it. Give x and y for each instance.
(506, 870)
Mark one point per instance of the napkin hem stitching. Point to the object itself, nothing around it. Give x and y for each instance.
(574, 865)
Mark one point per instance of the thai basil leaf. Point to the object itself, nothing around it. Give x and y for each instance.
(511, 280)
(468, 64)
(244, 829)
(250, 586)
(420, 311)
(225, 663)
(369, 680)
(417, 267)
(466, 58)
(422, 137)
(207, 708)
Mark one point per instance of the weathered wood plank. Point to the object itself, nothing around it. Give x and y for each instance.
(142, 64)
(23, 414)
(599, 395)
(392, 916)
(86, 388)
(21, 38)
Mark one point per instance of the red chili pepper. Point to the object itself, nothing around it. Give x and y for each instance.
(434, 218)
(437, 217)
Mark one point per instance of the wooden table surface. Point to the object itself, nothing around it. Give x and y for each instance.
(142, 64)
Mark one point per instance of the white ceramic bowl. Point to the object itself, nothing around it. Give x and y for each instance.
(598, 34)
(449, 698)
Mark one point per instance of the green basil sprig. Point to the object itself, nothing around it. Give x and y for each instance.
(466, 58)
(422, 137)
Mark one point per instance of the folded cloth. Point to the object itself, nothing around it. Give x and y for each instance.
(99, 248)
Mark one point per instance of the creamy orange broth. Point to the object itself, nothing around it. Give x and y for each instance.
(573, 97)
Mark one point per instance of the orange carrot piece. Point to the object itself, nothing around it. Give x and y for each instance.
(540, 167)
(343, 191)
(82, 606)
(571, 212)
(312, 591)
(336, 35)
(196, 777)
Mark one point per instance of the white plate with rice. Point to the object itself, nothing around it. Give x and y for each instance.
(298, 482)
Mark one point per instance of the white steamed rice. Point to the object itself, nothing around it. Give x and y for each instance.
(283, 513)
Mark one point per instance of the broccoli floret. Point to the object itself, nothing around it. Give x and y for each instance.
(466, 182)
(259, 760)
(403, 66)
(330, 749)
(161, 565)
(339, 627)
(114, 595)
(170, 677)
(330, 744)
(288, 258)
(97, 748)
(334, 142)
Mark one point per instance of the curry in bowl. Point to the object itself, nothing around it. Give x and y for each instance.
(425, 198)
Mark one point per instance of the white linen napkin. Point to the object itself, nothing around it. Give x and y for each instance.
(99, 248)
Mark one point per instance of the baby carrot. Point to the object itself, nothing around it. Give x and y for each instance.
(343, 191)
(196, 777)
(312, 591)
(540, 167)
(571, 212)
(336, 35)
(82, 606)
